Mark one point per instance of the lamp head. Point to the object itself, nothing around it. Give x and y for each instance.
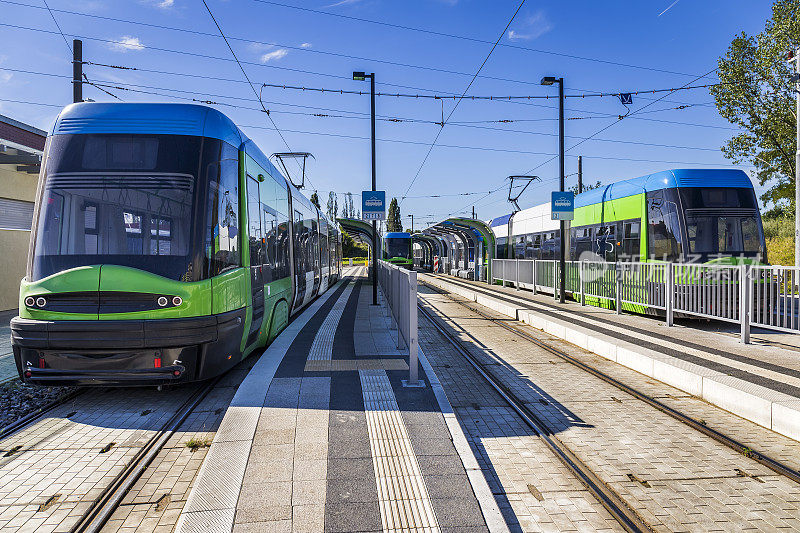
(548, 80)
(359, 76)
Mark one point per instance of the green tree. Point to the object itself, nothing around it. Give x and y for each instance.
(586, 187)
(315, 199)
(332, 206)
(350, 248)
(756, 94)
(393, 220)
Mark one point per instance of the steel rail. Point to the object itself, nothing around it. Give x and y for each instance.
(607, 497)
(22, 422)
(771, 463)
(96, 516)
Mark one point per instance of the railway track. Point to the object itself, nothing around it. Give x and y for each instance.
(773, 464)
(607, 497)
(102, 505)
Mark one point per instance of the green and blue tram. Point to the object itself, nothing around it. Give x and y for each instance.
(693, 216)
(165, 248)
(398, 250)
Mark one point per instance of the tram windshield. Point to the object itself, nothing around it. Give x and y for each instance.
(397, 247)
(129, 200)
(723, 234)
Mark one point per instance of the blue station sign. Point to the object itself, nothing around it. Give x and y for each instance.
(562, 206)
(373, 205)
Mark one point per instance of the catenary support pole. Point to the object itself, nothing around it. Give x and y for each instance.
(562, 270)
(374, 225)
(580, 174)
(77, 70)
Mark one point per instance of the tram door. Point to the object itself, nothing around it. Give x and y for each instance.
(257, 257)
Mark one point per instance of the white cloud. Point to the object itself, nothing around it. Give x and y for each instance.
(5, 77)
(344, 3)
(305, 45)
(166, 4)
(280, 53)
(126, 43)
(531, 27)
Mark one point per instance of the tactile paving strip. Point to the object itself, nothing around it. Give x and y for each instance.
(402, 496)
(322, 348)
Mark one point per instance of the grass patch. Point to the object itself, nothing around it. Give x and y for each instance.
(195, 444)
(779, 236)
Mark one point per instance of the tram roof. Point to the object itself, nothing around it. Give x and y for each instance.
(396, 235)
(666, 179)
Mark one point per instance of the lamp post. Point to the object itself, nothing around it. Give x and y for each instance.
(412, 223)
(550, 80)
(361, 76)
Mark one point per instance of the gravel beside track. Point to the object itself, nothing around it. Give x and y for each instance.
(18, 399)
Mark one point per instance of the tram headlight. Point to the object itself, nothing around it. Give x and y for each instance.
(30, 301)
(162, 301)
(177, 300)
(41, 302)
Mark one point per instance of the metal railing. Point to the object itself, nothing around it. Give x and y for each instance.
(749, 295)
(399, 288)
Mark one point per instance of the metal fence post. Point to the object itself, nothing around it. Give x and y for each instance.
(744, 302)
(669, 294)
(580, 276)
(516, 278)
(533, 275)
(556, 274)
(618, 295)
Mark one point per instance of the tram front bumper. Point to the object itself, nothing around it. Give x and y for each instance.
(121, 352)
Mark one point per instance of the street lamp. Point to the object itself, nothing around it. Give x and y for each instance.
(362, 76)
(550, 80)
(412, 222)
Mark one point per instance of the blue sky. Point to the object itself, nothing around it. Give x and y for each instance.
(596, 46)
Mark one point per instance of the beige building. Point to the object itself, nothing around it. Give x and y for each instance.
(20, 159)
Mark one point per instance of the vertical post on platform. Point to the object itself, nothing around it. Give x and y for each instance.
(77, 70)
(669, 294)
(744, 302)
(580, 275)
(533, 274)
(516, 278)
(413, 347)
(618, 279)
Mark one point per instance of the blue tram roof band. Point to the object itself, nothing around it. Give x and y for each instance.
(666, 179)
(160, 118)
(396, 235)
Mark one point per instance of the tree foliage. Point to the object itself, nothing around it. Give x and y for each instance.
(315, 199)
(351, 248)
(393, 220)
(586, 187)
(332, 207)
(756, 93)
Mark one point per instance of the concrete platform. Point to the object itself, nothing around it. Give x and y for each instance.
(759, 382)
(322, 436)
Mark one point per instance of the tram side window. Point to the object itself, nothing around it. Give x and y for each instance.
(223, 216)
(664, 237)
(256, 235)
(630, 240)
(581, 242)
(501, 246)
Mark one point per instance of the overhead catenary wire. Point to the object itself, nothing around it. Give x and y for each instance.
(250, 83)
(455, 106)
(69, 47)
(102, 85)
(327, 52)
(468, 38)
